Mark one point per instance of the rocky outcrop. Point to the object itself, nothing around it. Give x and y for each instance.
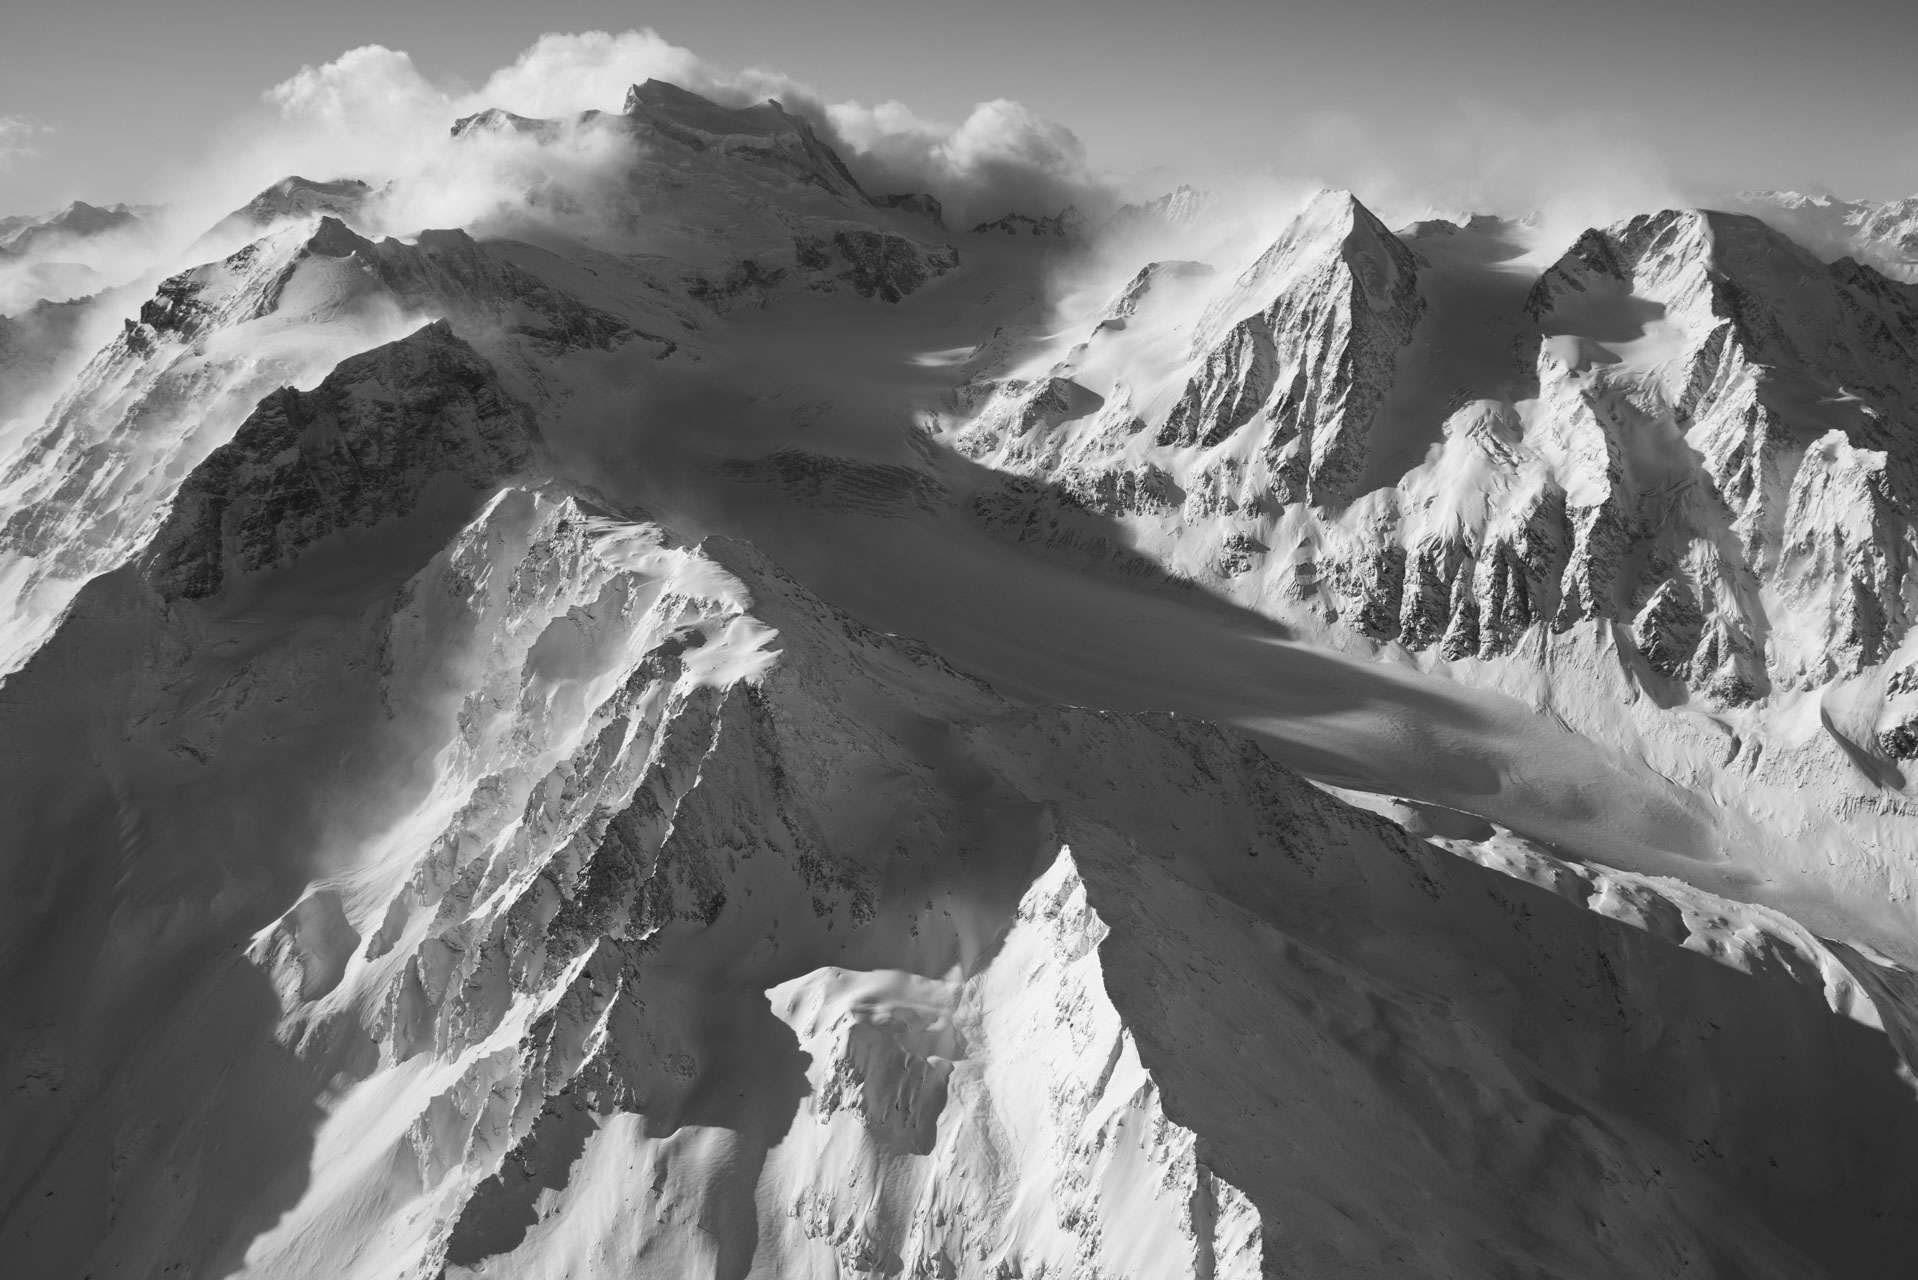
(873, 264)
(368, 444)
(918, 203)
(1064, 225)
(1234, 383)
(1337, 297)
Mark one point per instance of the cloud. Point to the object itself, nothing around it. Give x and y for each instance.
(562, 74)
(1472, 157)
(15, 135)
(569, 177)
(371, 112)
(1003, 156)
(368, 87)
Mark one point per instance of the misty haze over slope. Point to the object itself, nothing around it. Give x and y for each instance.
(637, 671)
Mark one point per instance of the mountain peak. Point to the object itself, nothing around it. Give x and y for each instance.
(1332, 223)
(661, 100)
(81, 218)
(499, 120)
(765, 131)
(294, 195)
(1175, 209)
(1336, 209)
(334, 239)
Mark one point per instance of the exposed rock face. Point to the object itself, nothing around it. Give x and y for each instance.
(915, 202)
(1338, 296)
(146, 408)
(1765, 329)
(873, 264)
(1062, 225)
(1177, 208)
(209, 344)
(363, 446)
(1234, 383)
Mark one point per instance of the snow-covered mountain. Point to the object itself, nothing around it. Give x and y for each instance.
(1883, 233)
(710, 723)
(75, 224)
(55, 256)
(287, 200)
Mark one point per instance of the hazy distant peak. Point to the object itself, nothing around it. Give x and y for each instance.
(78, 220)
(1176, 208)
(82, 218)
(1882, 234)
(1812, 194)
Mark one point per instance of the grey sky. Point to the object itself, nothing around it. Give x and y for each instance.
(1716, 93)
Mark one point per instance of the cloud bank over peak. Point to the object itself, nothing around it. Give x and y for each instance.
(1003, 156)
(373, 113)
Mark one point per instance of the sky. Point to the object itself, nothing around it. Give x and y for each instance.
(1473, 101)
